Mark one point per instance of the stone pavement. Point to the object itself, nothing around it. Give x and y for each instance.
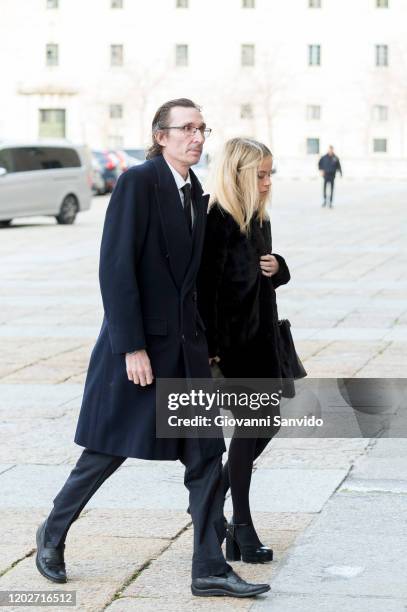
(333, 510)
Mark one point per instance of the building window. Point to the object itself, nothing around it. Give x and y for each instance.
(314, 55)
(312, 146)
(249, 4)
(52, 4)
(380, 112)
(116, 4)
(182, 4)
(116, 111)
(313, 112)
(380, 145)
(246, 111)
(382, 3)
(52, 123)
(382, 55)
(51, 55)
(247, 55)
(314, 3)
(181, 55)
(116, 55)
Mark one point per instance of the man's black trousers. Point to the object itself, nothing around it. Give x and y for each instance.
(202, 479)
(329, 179)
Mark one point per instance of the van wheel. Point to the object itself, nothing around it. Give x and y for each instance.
(68, 211)
(5, 223)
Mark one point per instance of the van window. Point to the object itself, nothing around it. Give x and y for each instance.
(6, 160)
(61, 158)
(26, 159)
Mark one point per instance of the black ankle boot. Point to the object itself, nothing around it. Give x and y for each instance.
(243, 543)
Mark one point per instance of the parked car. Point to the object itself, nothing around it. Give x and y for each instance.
(51, 178)
(137, 153)
(126, 161)
(110, 165)
(98, 182)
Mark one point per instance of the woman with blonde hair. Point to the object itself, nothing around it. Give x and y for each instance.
(237, 300)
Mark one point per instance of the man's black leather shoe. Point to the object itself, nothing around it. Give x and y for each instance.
(229, 584)
(50, 560)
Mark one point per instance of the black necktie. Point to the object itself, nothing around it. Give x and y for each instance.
(186, 189)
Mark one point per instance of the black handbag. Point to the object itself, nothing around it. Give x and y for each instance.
(291, 366)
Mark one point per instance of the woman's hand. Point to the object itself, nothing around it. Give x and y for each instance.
(269, 265)
(214, 360)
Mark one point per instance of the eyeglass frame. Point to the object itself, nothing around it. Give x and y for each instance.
(205, 131)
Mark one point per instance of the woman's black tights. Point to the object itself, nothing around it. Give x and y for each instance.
(237, 473)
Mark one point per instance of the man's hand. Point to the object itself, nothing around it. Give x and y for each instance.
(322, 172)
(269, 265)
(214, 360)
(139, 368)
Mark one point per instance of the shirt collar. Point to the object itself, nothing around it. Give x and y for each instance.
(178, 178)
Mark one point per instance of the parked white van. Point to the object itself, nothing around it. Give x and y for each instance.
(52, 178)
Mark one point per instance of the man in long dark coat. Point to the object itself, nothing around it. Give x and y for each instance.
(150, 254)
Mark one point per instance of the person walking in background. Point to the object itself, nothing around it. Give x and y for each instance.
(150, 255)
(237, 300)
(329, 165)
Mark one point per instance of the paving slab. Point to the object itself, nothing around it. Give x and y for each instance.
(134, 523)
(96, 568)
(318, 603)
(171, 571)
(48, 371)
(351, 333)
(18, 529)
(26, 397)
(322, 444)
(355, 547)
(148, 485)
(40, 331)
(78, 379)
(308, 459)
(386, 448)
(42, 442)
(292, 489)
(364, 485)
(379, 468)
(155, 604)
(4, 467)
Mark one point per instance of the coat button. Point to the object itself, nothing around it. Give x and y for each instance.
(183, 338)
(194, 296)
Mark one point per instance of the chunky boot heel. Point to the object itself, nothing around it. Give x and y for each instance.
(243, 543)
(232, 548)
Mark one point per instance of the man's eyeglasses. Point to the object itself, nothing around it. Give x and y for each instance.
(190, 130)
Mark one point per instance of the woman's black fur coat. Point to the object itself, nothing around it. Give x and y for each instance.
(236, 301)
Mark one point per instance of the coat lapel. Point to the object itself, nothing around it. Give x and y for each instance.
(177, 237)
